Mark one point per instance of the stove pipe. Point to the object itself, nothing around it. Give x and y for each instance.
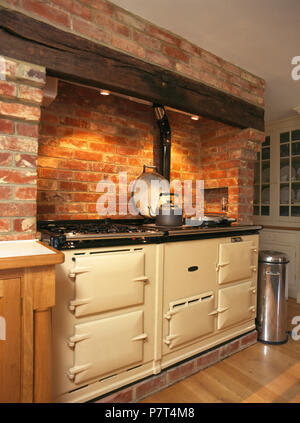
(165, 140)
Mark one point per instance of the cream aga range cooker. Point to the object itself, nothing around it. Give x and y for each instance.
(133, 299)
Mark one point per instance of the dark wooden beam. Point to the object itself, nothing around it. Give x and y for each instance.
(79, 60)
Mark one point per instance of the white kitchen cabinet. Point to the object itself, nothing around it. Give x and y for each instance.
(282, 222)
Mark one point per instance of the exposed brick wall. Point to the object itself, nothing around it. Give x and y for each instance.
(81, 145)
(86, 138)
(20, 98)
(227, 160)
(106, 23)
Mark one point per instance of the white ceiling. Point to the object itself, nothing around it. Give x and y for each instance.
(261, 36)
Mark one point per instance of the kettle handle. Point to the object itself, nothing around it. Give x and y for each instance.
(150, 167)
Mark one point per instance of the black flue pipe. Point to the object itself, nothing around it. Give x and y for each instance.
(165, 140)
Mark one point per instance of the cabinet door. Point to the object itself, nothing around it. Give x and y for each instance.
(236, 304)
(108, 282)
(102, 347)
(190, 319)
(189, 268)
(10, 340)
(235, 261)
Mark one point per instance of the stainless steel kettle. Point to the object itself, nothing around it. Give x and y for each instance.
(168, 213)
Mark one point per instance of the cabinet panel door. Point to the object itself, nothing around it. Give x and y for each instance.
(235, 261)
(108, 282)
(102, 347)
(190, 319)
(189, 268)
(236, 304)
(10, 346)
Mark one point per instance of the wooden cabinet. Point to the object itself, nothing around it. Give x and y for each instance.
(27, 293)
(10, 339)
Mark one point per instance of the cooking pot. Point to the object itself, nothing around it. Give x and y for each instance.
(146, 190)
(168, 213)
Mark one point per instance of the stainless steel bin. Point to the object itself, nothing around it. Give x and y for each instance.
(271, 302)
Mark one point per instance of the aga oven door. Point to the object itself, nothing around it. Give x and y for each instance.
(190, 319)
(104, 346)
(107, 281)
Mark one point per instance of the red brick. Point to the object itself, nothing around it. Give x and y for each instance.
(6, 126)
(91, 30)
(128, 151)
(123, 396)
(17, 209)
(249, 339)
(103, 20)
(162, 34)
(130, 20)
(25, 193)
(151, 385)
(79, 123)
(18, 144)
(73, 164)
(5, 159)
(47, 162)
(90, 156)
(81, 11)
(70, 208)
(8, 176)
(26, 160)
(129, 46)
(50, 13)
(25, 224)
(27, 130)
(55, 174)
(175, 53)
(49, 117)
(73, 186)
(7, 89)
(5, 192)
(160, 59)
(229, 348)
(87, 177)
(181, 371)
(30, 94)
(19, 111)
(146, 41)
(208, 359)
(87, 198)
(4, 225)
(49, 151)
(101, 5)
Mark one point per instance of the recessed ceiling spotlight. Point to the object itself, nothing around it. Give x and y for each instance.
(104, 92)
(194, 117)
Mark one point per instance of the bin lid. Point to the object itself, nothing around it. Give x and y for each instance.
(270, 256)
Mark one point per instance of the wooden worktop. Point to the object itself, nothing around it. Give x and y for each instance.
(32, 253)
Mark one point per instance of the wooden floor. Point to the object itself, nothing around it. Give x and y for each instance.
(260, 373)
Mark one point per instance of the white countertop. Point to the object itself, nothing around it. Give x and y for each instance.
(22, 248)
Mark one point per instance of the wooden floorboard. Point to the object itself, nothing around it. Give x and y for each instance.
(259, 374)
